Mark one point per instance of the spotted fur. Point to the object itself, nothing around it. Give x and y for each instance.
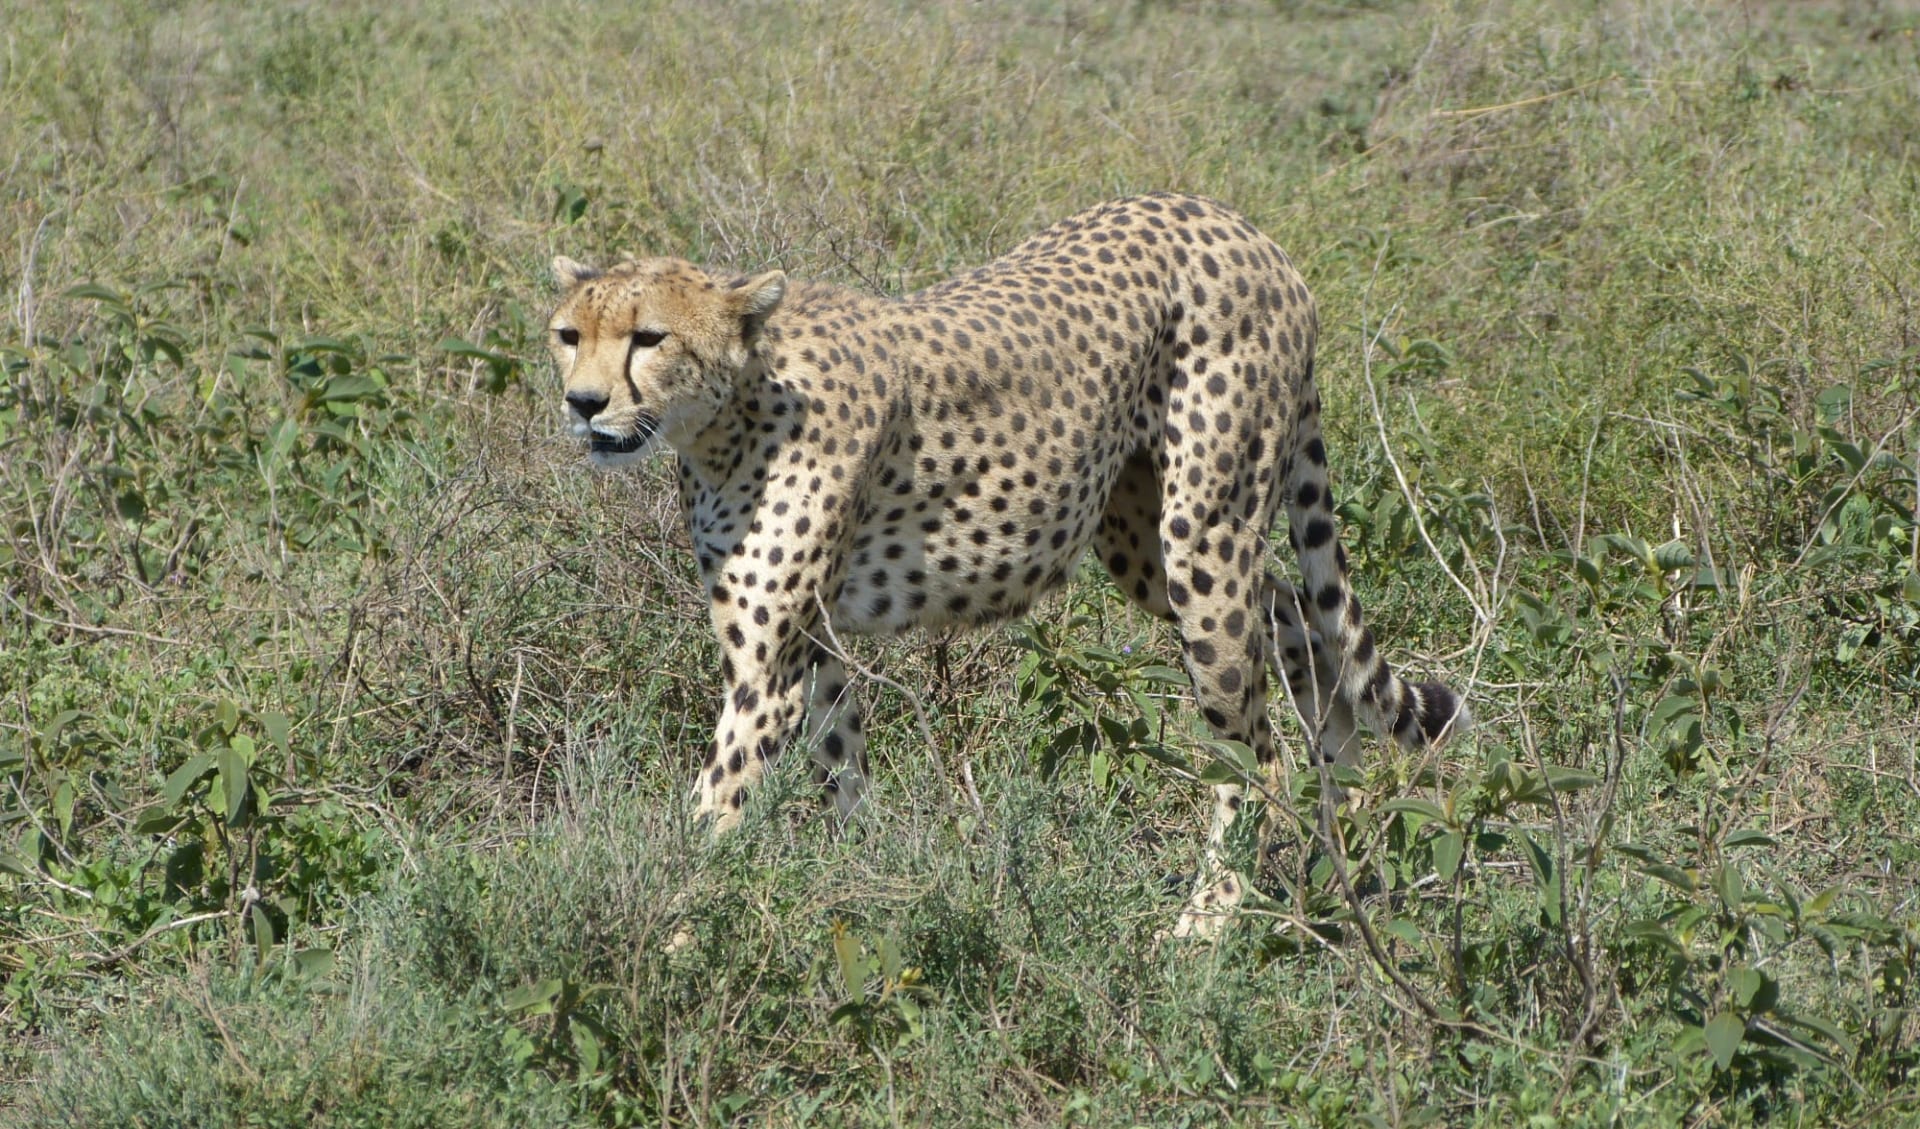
(1138, 378)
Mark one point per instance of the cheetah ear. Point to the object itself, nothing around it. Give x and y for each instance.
(567, 273)
(756, 299)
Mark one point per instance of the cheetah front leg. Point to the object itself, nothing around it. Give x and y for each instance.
(762, 712)
(762, 716)
(834, 735)
(768, 591)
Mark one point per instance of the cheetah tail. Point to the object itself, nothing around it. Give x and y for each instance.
(1416, 713)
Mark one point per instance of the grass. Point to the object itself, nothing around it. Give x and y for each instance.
(347, 718)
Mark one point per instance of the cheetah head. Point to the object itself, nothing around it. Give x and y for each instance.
(652, 351)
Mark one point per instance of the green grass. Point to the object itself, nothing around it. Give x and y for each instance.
(346, 720)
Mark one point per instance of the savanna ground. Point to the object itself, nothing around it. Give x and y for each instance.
(347, 718)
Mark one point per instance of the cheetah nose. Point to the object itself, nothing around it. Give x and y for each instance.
(588, 404)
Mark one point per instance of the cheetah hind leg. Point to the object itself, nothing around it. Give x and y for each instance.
(1129, 543)
(1307, 669)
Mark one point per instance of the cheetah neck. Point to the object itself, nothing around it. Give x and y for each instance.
(714, 454)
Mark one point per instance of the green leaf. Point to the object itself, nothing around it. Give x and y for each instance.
(1732, 888)
(461, 348)
(1563, 779)
(1143, 703)
(50, 734)
(185, 777)
(233, 782)
(1672, 708)
(1724, 1033)
(1832, 1033)
(1172, 758)
(277, 728)
(1649, 929)
(1447, 849)
(1347, 775)
(350, 388)
(262, 931)
(1671, 875)
(1712, 579)
(533, 999)
(99, 293)
(314, 963)
(569, 204)
(1237, 753)
(227, 713)
(1748, 838)
(853, 970)
(161, 822)
(63, 797)
(1865, 924)
(1629, 546)
(1537, 855)
(131, 505)
(586, 1046)
(1415, 806)
(1234, 763)
(1528, 786)
(281, 440)
(1637, 851)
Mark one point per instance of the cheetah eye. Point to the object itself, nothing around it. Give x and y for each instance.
(568, 337)
(648, 338)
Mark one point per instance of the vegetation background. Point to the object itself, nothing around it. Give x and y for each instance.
(346, 717)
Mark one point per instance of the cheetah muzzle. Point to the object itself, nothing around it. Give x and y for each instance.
(1137, 379)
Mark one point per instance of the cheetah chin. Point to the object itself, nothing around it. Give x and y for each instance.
(1135, 382)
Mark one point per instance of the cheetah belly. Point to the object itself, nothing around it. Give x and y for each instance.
(983, 540)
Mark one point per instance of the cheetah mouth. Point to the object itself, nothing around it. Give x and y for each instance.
(613, 443)
(603, 444)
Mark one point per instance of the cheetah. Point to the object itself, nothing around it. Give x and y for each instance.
(1138, 378)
